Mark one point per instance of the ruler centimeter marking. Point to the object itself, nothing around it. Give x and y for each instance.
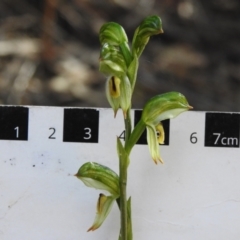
(82, 125)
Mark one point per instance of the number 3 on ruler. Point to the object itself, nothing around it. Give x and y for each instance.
(87, 133)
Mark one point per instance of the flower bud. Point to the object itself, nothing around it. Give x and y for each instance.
(151, 25)
(112, 61)
(112, 33)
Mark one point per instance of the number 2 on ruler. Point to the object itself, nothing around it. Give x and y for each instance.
(52, 134)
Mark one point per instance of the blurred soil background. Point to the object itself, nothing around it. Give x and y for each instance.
(49, 51)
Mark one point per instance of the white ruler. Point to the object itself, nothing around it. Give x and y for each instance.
(194, 195)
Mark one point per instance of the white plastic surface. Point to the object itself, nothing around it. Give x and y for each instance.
(194, 195)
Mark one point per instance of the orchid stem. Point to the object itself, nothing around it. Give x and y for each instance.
(135, 135)
(128, 126)
(123, 181)
(123, 200)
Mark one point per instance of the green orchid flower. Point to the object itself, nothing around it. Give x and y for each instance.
(164, 106)
(99, 176)
(119, 93)
(157, 109)
(118, 86)
(103, 178)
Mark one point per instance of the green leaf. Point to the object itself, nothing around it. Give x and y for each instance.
(100, 177)
(125, 50)
(132, 71)
(123, 156)
(150, 26)
(104, 206)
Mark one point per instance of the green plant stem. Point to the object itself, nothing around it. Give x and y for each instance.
(135, 135)
(128, 126)
(123, 200)
(123, 181)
